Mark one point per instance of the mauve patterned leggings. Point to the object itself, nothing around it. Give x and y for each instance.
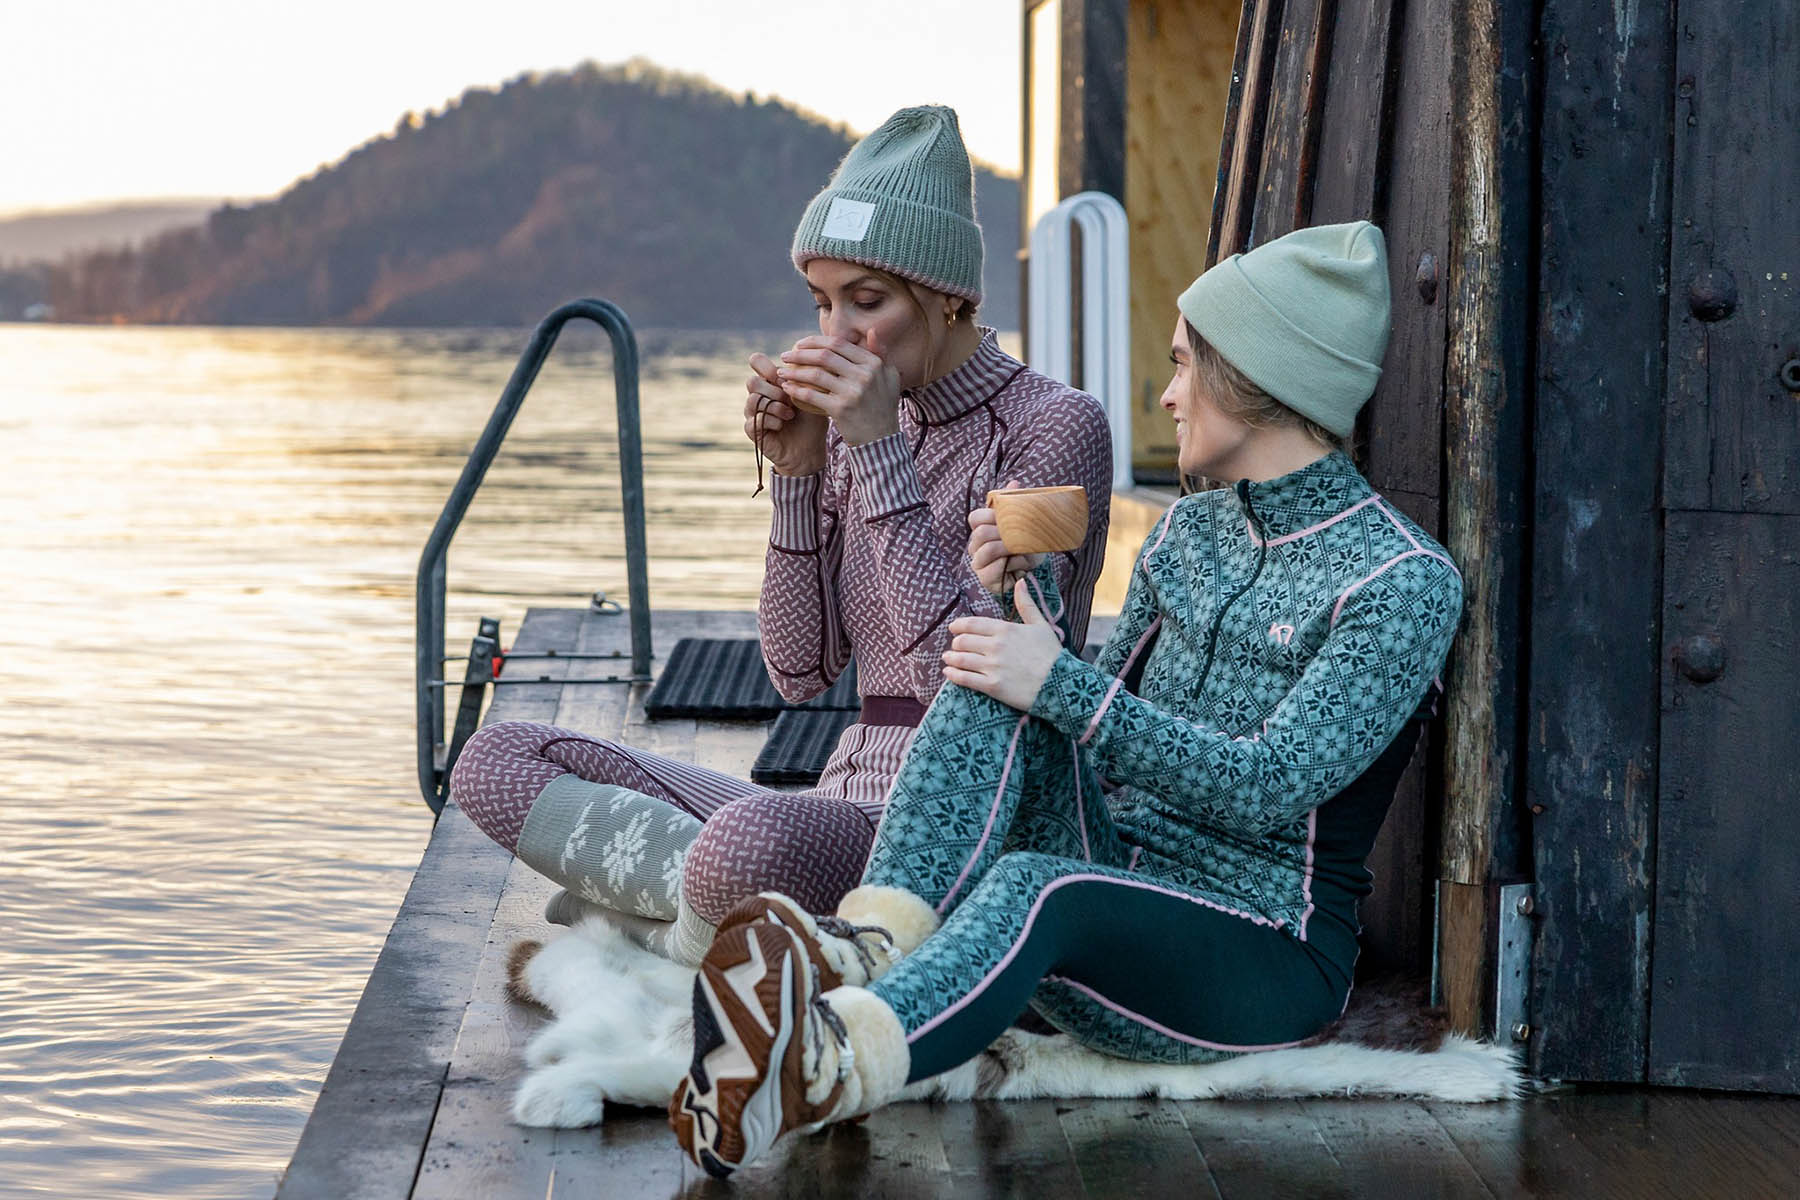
(807, 845)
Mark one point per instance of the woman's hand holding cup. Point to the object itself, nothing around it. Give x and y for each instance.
(792, 440)
(997, 569)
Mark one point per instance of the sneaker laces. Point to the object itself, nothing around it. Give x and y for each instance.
(827, 1022)
(839, 927)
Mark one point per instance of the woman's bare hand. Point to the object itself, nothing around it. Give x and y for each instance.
(793, 441)
(997, 569)
(849, 384)
(1002, 659)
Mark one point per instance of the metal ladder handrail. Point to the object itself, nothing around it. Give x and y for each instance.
(429, 658)
(1105, 310)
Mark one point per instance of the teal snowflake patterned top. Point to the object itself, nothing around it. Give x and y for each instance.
(1292, 628)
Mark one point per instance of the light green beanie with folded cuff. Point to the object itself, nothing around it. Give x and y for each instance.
(1305, 317)
(903, 200)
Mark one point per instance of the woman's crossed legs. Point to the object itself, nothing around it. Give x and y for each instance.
(998, 870)
(653, 837)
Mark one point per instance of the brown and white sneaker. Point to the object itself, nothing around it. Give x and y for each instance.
(770, 1055)
(844, 952)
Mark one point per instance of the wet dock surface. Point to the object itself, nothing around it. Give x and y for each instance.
(418, 1102)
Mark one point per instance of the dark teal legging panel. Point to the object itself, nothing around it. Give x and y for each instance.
(1132, 966)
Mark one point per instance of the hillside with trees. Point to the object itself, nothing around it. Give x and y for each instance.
(659, 191)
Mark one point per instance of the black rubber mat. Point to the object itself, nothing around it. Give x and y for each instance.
(724, 679)
(800, 744)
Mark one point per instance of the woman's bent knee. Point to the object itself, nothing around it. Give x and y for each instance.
(811, 848)
(500, 771)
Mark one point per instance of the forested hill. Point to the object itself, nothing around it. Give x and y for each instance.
(658, 191)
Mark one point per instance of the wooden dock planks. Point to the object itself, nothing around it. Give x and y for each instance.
(418, 1103)
(376, 1109)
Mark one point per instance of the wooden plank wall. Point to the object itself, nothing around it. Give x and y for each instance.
(1341, 112)
(1597, 562)
(1726, 849)
(1722, 1011)
(1487, 407)
(1385, 154)
(1092, 156)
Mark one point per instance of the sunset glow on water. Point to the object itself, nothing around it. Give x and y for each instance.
(207, 808)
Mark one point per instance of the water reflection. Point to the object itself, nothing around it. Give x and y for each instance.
(207, 814)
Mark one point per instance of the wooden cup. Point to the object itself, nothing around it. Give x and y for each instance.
(1041, 519)
(802, 405)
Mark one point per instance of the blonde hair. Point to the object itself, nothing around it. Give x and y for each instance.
(1239, 398)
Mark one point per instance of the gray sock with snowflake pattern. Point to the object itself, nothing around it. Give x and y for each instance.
(608, 845)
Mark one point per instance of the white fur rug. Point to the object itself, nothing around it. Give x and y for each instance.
(622, 1033)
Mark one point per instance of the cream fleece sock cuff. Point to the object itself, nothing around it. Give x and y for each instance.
(883, 1058)
(907, 918)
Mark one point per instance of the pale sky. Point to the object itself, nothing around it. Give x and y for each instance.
(122, 99)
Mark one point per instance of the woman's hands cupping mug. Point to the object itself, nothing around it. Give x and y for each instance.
(846, 382)
(792, 440)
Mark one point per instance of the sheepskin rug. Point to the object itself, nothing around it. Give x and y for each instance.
(622, 1034)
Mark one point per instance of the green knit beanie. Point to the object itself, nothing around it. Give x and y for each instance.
(1304, 316)
(903, 200)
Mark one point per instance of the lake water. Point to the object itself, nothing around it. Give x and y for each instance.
(207, 807)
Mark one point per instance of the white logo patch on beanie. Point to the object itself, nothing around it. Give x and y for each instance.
(848, 220)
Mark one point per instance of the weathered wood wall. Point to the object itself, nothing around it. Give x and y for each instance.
(1340, 112)
(1726, 925)
(1597, 547)
(1375, 132)
(1487, 406)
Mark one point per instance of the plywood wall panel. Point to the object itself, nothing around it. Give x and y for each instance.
(1177, 83)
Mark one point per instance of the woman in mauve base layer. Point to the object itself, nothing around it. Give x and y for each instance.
(885, 431)
(1277, 639)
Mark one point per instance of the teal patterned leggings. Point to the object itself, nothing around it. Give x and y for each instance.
(1000, 824)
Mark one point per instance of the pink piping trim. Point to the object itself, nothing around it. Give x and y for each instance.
(1131, 863)
(1119, 680)
(1005, 772)
(1031, 919)
(1404, 531)
(1327, 523)
(1312, 831)
(1401, 526)
(1144, 558)
(1141, 1019)
(1037, 597)
(1378, 572)
(1080, 815)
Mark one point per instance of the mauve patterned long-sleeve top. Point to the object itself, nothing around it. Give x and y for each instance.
(870, 555)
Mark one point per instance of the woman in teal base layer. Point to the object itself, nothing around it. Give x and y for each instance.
(1277, 638)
